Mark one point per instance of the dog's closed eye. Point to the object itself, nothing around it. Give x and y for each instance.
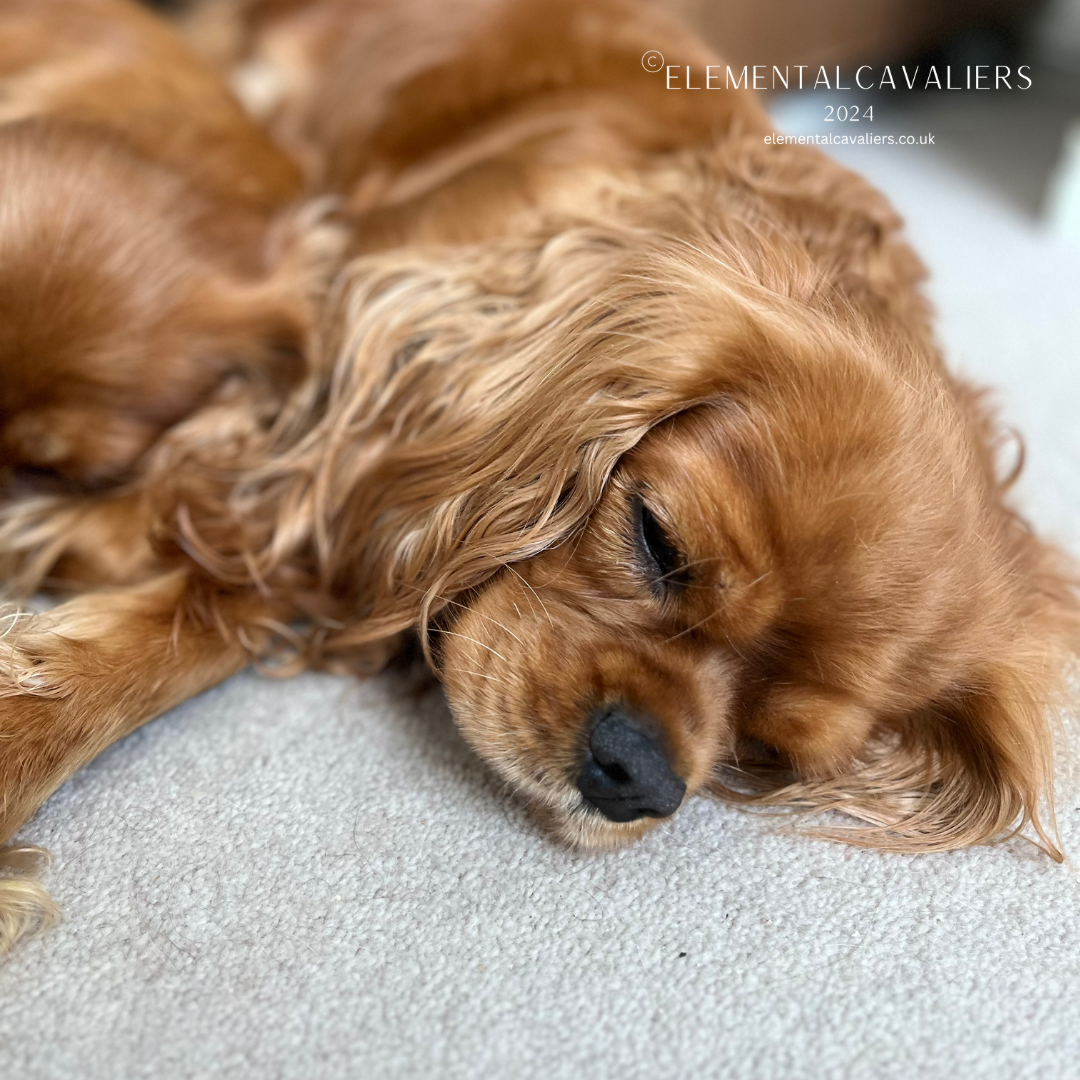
(665, 564)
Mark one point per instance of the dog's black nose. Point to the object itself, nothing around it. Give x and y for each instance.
(626, 774)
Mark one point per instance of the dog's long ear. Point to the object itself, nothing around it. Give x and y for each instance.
(994, 747)
(479, 400)
(977, 762)
(975, 765)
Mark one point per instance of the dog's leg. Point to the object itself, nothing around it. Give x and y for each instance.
(77, 678)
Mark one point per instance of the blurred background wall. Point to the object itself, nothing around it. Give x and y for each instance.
(1057, 35)
(1025, 145)
(846, 31)
(1056, 40)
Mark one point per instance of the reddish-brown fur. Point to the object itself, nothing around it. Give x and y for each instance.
(570, 293)
(136, 276)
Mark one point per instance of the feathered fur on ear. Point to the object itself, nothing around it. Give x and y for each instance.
(472, 402)
(479, 399)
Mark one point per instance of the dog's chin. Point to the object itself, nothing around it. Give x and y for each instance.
(585, 829)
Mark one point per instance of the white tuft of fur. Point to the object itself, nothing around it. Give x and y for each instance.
(26, 909)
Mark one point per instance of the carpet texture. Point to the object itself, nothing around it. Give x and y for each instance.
(316, 879)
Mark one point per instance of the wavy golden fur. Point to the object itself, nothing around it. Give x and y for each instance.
(624, 412)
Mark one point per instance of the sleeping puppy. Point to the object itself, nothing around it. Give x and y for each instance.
(636, 420)
(138, 264)
(698, 485)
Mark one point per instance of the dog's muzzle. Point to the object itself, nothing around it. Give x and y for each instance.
(626, 774)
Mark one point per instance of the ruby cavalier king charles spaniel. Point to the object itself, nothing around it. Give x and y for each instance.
(462, 331)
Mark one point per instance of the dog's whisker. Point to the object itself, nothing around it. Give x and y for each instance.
(718, 611)
(488, 618)
(476, 674)
(475, 641)
(683, 567)
(534, 592)
(466, 607)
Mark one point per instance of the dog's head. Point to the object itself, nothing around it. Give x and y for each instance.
(810, 567)
(679, 489)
